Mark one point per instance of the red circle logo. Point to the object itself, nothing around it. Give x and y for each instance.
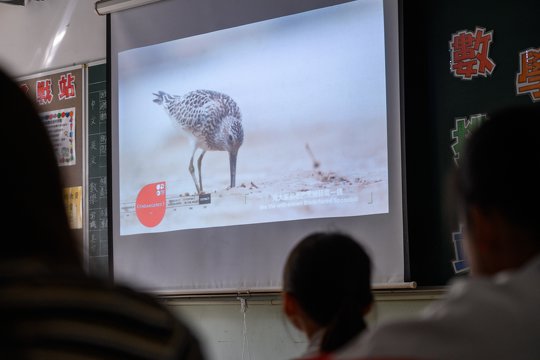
(151, 204)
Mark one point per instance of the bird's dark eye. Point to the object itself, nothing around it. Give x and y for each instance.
(230, 138)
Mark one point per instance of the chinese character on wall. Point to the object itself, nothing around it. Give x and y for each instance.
(461, 131)
(66, 86)
(469, 53)
(44, 93)
(459, 264)
(528, 77)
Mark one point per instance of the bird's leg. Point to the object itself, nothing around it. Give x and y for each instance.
(199, 162)
(192, 171)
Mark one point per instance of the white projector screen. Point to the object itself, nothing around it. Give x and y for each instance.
(238, 127)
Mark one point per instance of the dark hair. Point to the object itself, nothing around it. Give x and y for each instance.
(329, 274)
(33, 194)
(499, 169)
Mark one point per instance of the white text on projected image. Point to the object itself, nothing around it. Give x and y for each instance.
(278, 120)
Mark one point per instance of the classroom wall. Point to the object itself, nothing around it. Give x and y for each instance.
(267, 334)
(47, 35)
(51, 34)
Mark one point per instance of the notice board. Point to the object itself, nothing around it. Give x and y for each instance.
(59, 97)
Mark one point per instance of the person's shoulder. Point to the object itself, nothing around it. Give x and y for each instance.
(411, 337)
(155, 317)
(473, 318)
(404, 339)
(146, 308)
(107, 317)
(481, 297)
(122, 292)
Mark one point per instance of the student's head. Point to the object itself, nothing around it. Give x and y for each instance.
(327, 286)
(32, 199)
(498, 185)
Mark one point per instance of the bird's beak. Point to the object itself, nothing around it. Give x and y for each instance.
(232, 163)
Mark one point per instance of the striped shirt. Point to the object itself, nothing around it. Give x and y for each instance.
(47, 314)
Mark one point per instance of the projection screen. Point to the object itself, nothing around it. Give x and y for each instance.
(238, 127)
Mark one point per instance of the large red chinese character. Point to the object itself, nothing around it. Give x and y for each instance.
(44, 93)
(66, 86)
(528, 78)
(469, 53)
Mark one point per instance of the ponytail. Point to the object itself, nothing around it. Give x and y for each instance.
(346, 324)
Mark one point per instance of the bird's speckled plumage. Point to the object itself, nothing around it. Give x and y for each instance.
(212, 118)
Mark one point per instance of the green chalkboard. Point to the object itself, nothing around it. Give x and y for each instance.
(441, 105)
(98, 244)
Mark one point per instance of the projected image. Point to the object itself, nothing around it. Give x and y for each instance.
(278, 120)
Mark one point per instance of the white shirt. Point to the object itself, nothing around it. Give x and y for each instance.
(481, 318)
(312, 350)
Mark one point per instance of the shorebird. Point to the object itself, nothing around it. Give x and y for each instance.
(211, 119)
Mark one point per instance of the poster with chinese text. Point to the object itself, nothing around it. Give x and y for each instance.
(61, 126)
(59, 97)
(73, 203)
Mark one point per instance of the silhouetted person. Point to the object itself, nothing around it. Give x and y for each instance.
(495, 313)
(49, 308)
(327, 290)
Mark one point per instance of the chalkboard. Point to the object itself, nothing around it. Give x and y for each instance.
(98, 240)
(443, 102)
